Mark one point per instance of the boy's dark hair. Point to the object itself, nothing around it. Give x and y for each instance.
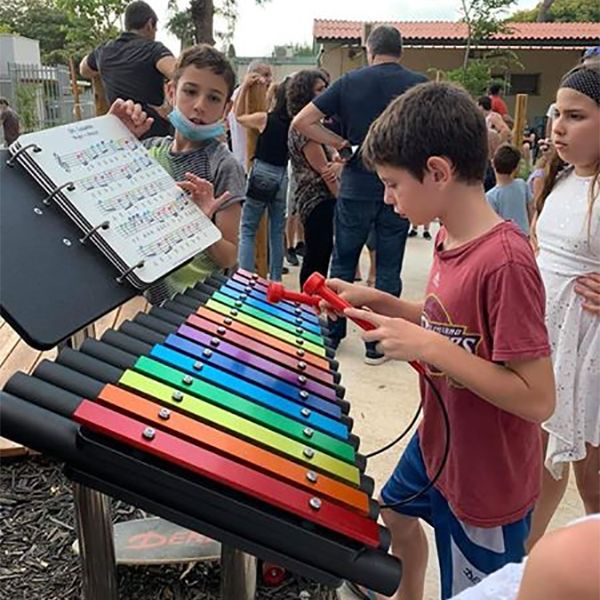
(300, 89)
(204, 56)
(137, 14)
(430, 119)
(386, 40)
(506, 159)
(495, 89)
(485, 102)
(4, 102)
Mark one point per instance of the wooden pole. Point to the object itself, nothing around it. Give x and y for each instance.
(75, 90)
(520, 119)
(100, 100)
(257, 102)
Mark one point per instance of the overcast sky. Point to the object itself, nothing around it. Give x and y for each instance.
(278, 22)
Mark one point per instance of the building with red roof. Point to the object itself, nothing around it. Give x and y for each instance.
(544, 50)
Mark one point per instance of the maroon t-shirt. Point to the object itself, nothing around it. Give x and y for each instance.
(488, 298)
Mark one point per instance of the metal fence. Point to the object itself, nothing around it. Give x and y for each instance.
(43, 96)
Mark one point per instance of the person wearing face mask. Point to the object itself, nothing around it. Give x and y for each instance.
(134, 66)
(196, 158)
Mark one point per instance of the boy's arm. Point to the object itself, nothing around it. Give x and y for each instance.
(375, 300)
(517, 377)
(522, 387)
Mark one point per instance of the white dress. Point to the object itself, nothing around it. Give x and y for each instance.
(566, 251)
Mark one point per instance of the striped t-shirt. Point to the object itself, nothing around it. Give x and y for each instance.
(214, 162)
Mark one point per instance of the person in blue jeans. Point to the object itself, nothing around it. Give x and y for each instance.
(267, 181)
(356, 100)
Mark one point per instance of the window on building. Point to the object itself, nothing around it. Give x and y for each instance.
(524, 83)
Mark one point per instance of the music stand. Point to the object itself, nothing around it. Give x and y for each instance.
(53, 288)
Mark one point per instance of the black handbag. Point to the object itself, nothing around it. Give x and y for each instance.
(264, 181)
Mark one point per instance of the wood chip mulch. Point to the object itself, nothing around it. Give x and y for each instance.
(37, 563)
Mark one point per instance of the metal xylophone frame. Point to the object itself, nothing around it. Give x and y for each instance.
(220, 513)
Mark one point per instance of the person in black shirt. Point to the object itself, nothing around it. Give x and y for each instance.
(267, 182)
(356, 99)
(134, 66)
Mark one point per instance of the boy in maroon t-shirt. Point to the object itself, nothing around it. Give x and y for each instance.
(480, 334)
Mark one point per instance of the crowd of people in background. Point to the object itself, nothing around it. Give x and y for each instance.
(334, 166)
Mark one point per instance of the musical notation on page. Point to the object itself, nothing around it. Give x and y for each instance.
(116, 180)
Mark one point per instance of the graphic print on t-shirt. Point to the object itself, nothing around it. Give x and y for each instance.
(436, 318)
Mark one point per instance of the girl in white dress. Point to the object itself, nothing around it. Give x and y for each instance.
(568, 238)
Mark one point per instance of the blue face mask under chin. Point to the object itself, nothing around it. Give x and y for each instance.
(193, 132)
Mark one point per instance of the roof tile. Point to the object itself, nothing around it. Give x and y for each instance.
(448, 30)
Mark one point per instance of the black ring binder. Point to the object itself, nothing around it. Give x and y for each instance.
(69, 185)
(103, 225)
(122, 276)
(11, 161)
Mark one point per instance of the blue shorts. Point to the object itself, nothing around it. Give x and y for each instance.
(466, 554)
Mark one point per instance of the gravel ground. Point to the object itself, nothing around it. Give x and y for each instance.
(37, 563)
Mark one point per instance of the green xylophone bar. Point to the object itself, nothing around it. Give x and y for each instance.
(218, 416)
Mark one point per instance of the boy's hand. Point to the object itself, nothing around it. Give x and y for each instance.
(397, 338)
(132, 116)
(588, 287)
(202, 194)
(357, 295)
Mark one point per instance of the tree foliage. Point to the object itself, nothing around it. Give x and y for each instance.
(196, 23)
(483, 19)
(91, 22)
(40, 20)
(562, 11)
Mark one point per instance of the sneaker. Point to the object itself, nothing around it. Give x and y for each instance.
(290, 256)
(300, 249)
(427, 235)
(412, 233)
(372, 357)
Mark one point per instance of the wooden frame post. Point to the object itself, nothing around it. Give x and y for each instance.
(520, 119)
(257, 102)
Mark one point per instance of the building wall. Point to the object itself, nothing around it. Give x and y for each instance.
(281, 67)
(18, 49)
(550, 64)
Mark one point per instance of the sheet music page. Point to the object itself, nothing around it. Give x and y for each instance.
(150, 217)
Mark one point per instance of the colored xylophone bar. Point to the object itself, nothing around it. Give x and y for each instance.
(223, 413)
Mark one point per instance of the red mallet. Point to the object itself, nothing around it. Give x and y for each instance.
(276, 293)
(315, 286)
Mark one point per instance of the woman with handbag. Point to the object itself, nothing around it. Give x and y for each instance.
(316, 175)
(267, 179)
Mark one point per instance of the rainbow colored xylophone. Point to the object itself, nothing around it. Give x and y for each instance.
(223, 413)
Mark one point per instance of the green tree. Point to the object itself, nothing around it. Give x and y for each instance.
(91, 22)
(40, 20)
(483, 19)
(561, 11)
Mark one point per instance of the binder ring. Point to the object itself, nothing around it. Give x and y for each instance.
(69, 185)
(122, 276)
(103, 225)
(11, 161)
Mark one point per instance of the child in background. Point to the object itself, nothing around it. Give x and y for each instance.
(568, 236)
(200, 94)
(510, 197)
(491, 368)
